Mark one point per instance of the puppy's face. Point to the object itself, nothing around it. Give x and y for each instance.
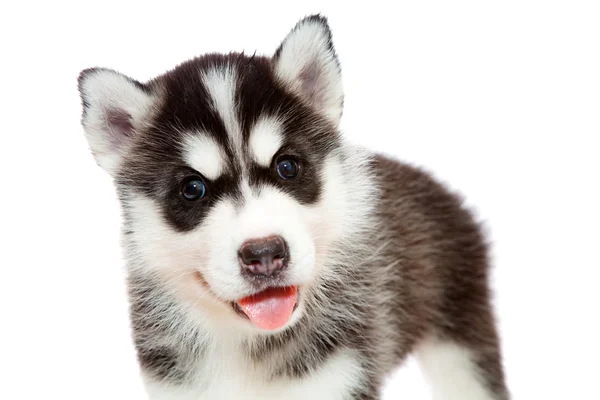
(229, 173)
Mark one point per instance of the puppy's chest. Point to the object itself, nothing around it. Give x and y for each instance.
(226, 375)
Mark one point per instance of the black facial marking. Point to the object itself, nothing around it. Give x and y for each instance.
(305, 188)
(186, 215)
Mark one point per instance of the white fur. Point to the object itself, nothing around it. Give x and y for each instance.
(450, 372)
(226, 375)
(265, 140)
(204, 155)
(306, 49)
(108, 90)
(348, 193)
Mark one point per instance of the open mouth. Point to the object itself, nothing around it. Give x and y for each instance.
(270, 309)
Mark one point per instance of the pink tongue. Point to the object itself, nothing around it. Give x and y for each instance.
(270, 309)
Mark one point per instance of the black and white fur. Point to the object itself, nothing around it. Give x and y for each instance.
(386, 260)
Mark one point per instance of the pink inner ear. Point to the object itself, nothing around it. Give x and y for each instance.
(311, 82)
(120, 126)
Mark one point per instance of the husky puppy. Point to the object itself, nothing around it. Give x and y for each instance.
(269, 259)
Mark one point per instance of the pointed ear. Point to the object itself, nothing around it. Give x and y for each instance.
(307, 64)
(114, 108)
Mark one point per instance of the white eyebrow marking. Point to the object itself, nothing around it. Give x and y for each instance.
(204, 155)
(265, 140)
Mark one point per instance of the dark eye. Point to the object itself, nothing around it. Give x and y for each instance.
(193, 189)
(287, 168)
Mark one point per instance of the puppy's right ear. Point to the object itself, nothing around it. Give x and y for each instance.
(114, 109)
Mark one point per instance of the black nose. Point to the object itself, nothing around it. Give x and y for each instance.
(266, 256)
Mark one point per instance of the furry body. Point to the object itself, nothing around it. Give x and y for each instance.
(386, 261)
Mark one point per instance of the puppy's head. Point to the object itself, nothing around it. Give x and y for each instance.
(230, 171)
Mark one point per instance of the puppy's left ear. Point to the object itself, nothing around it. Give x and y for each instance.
(307, 64)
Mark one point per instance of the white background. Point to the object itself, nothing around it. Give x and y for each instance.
(499, 99)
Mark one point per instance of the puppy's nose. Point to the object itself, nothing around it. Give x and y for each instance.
(266, 256)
